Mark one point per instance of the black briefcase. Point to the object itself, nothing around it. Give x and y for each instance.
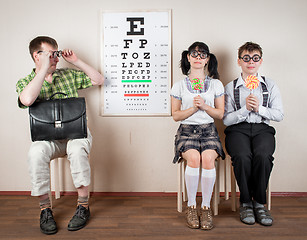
(57, 119)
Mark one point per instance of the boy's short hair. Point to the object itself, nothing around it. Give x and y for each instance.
(249, 47)
(35, 44)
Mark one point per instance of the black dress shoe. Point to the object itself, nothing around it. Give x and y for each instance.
(80, 218)
(47, 223)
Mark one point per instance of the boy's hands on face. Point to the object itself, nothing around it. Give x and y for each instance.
(45, 60)
(252, 103)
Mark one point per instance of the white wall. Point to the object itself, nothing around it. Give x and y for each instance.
(135, 154)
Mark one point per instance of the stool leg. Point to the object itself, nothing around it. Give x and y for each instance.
(227, 177)
(216, 192)
(179, 192)
(233, 191)
(217, 165)
(91, 186)
(268, 195)
(184, 188)
(51, 172)
(56, 178)
(50, 198)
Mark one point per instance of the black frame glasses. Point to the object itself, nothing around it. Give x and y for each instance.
(54, 54)
(247, 58)
(195, 54)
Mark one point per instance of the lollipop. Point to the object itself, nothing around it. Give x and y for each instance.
(197, 84)
(251, 82)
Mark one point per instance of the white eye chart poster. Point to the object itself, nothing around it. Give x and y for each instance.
(136, 63)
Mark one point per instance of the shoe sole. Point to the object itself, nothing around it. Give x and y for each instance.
(49, 232)
(75, 229)
(206, 228)
(192, 226)
(266, 225)
(248, 223)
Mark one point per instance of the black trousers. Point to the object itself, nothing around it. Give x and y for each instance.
(251, 146)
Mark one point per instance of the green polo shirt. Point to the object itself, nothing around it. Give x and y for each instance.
(64, 80)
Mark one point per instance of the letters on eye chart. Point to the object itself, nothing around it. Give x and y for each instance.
(136, 63)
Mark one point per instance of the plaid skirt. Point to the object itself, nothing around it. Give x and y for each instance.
(199, 137)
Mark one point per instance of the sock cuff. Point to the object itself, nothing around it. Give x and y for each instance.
(82, 199)
(257, 205)
(208, 173)
(248, 204)
(192, 171)
(45, 203)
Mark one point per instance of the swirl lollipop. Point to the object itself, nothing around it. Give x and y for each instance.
(251, 82)
(197, 84)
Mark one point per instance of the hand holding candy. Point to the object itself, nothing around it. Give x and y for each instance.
(252, 103)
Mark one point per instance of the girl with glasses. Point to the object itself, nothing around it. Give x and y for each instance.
(197, 100)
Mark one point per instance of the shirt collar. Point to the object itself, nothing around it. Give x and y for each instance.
(55, 74)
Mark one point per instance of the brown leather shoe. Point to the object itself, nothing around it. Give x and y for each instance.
(192, 217)
(206, 219)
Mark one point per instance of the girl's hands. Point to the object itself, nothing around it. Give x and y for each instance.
(199, 103)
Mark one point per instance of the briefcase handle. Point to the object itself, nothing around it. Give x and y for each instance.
(56, 94)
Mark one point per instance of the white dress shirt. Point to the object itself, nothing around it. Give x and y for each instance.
(273, 111)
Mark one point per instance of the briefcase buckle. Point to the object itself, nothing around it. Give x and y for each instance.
(57, 124)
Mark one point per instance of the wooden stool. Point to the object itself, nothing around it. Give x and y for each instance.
(56, 177)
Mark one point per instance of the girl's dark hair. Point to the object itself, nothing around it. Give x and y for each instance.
(201, 47)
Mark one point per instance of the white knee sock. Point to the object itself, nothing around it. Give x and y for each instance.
(207, 183)
(191, 181)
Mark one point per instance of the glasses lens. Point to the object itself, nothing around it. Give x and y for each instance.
(194, 54)
(256, 58)
(203, 55)
(246, 58)
(57, 54)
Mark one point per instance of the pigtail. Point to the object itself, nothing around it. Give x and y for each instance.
(212, 67)
(184, 63)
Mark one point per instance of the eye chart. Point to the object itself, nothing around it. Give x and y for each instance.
(136, 63)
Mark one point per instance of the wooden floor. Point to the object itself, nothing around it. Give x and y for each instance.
(148, 218)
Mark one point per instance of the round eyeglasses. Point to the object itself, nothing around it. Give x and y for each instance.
(54, 54)
(247, 58)
(195, 54)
